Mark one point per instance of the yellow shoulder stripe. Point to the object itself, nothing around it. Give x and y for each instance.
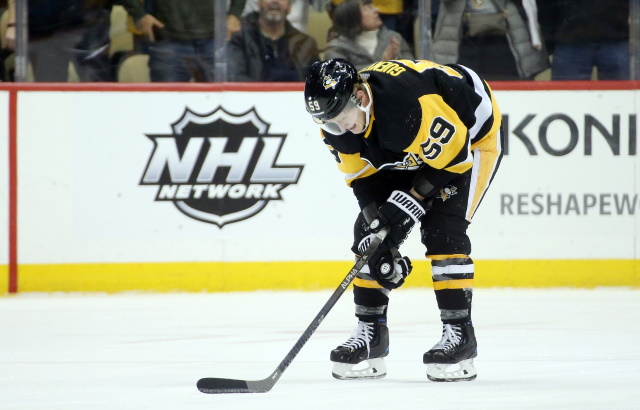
(422, 65)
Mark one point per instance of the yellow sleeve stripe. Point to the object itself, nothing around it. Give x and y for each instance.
(453, 284)
(364, 172)
(351, 163)
(363, 283)
(353, 166)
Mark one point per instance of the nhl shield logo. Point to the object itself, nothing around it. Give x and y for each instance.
(219, 167)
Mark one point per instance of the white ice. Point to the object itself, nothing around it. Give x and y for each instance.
(538, 349)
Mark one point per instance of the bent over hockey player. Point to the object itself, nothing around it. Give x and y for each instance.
(419, 143)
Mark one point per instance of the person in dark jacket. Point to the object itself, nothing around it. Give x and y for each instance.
(180, 36)
(269, 48)
(584, 35)
(66, 31)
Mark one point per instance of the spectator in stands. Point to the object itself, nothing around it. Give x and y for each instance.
(269, 48)
(585, 35)
(181, 36)
(63, 32)
(499, 39)
(399, 16)
(390, 12)
(362, 39)
(298, 16)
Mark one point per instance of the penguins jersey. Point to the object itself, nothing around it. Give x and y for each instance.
(422, 113)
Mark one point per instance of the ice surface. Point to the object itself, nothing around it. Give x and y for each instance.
(538, 349)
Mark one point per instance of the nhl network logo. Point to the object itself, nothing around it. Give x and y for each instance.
(219, 167)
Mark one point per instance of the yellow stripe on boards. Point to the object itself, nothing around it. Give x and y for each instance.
(557, 273)
(4, 279)
(250, 276)
(187, 277)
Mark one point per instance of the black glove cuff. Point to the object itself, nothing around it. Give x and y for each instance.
(423, 186)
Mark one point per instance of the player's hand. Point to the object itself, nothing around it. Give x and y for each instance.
(390, 272)
(400, 213)
(386, 266)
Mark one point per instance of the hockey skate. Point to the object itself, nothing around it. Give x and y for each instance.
(451, 359)
(361, 357)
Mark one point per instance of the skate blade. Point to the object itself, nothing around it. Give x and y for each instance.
(367, 369)
(457, 372)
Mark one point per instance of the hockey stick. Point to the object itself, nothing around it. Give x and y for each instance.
(214, 385)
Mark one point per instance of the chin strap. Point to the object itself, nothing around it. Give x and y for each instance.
(367, 109)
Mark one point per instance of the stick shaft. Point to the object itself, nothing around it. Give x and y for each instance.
(214, 385)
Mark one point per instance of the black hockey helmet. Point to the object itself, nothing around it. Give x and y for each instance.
(329, 87)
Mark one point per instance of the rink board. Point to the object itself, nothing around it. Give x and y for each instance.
(4, 191)
(222, 188)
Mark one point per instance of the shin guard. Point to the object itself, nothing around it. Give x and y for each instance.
(453, 285)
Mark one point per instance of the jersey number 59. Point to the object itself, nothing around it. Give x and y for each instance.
(440, 133)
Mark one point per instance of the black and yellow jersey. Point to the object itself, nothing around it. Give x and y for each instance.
(423, 115)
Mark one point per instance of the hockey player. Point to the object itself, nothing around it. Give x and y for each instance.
(419, 143)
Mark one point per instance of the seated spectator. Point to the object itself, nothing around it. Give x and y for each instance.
(181, 36)
(269, 48)
(587, 35)
(499, 39)
(361, 38)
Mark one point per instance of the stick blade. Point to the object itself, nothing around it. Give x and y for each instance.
(214, 385)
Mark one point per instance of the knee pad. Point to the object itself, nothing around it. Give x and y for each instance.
(444, 234)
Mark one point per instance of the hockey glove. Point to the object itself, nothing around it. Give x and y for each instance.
(401, 211)
(360, 232)
(390, 272)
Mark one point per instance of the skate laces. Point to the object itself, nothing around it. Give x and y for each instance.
(451, 337)
(361, 336)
